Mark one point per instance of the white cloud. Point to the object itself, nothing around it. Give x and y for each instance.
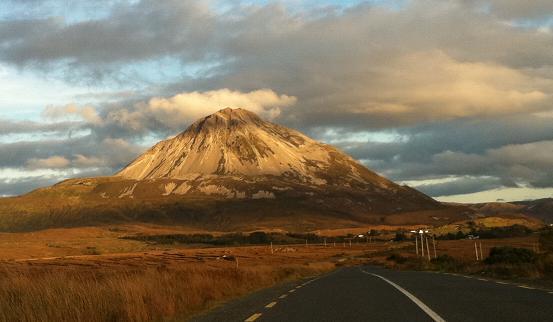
(431, 85)
(87, 113)
(175, 113)
(506, 194)
(54, 162)
(186, 107)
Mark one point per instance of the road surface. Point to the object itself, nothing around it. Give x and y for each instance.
(378, 294)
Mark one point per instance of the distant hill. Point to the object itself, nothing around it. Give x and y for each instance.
(541, 209)
(230, 170)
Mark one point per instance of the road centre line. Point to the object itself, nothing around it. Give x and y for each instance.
(253, 317)
(270, 305)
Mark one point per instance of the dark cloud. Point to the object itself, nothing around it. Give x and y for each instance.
(15, 127)
(82, 152)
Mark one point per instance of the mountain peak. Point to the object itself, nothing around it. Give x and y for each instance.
(236, 142)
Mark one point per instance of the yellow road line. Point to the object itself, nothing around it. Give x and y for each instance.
(253, 317)
(270, 305)
(299, 286)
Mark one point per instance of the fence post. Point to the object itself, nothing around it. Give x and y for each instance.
(417, 244)
(476, 251)
(481, 255)
(271, 247)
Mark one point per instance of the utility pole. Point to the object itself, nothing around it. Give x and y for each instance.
(434, 243)
(427, 248)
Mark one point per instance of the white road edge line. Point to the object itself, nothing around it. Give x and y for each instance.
(433, 315)
(282, 296)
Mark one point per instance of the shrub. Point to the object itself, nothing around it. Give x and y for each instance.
(397, 258)
(447, 263)
(510, 255)
(400, 237)
(258, 237)
(546, 240)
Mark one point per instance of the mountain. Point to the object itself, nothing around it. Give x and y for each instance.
(238, 144)
(232, 170)
(541, 209)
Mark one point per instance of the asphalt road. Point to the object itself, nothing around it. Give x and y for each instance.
(377, 294)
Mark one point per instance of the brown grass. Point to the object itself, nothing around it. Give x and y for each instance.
(154, 285)
(132, 294)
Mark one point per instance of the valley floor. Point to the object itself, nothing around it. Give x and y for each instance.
(92, 274)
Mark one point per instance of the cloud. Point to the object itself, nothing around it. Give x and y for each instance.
(431, 86)
(54, 162)
(187, 107)
(460, 185)
(80, 153)
(14, 127)
(83, 161)
(169, 115)
(515, 9)
(87, 113)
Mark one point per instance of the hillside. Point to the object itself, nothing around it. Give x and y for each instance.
(230, 170)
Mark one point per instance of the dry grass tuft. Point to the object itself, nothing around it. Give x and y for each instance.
(151, 294)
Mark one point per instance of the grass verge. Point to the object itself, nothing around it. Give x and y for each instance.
(163, 293)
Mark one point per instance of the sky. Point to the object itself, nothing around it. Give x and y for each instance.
(452, 97)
